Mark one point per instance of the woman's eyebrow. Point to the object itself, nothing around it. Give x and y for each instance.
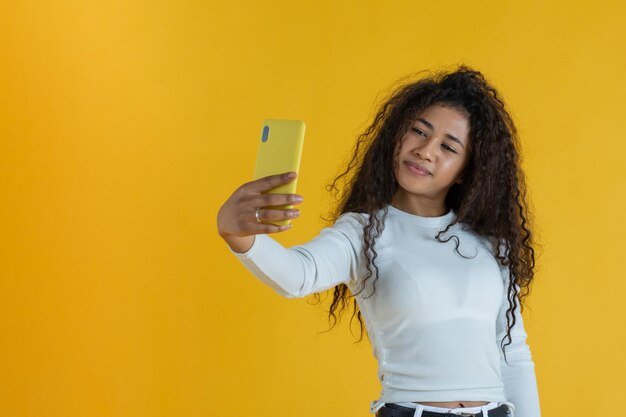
(447, 134)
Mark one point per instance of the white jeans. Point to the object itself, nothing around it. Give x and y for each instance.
(472, 410)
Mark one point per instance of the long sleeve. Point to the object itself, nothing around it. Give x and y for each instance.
(520, 382)
(331, 258)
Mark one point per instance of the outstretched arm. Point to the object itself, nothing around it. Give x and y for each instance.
(331, 258)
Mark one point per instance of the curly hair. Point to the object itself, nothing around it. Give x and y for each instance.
(491, 199)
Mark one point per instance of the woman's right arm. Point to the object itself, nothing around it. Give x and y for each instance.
(331, 258)
(327, 260)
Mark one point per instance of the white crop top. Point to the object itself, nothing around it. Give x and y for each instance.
(435, 320)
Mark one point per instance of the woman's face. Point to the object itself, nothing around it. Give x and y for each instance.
(438, 141)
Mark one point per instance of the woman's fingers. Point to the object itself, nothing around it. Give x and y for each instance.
(270, 215)
(267, 183)
(275, 200)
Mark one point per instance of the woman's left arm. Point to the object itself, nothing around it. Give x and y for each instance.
(518, 375)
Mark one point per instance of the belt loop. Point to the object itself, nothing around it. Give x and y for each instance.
(510, 406)
(376, 405)
(418, 410)
(485, 411)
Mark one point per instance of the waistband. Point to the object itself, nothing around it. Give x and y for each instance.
(378, 404)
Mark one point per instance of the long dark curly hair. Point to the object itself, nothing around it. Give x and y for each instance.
(491, 199)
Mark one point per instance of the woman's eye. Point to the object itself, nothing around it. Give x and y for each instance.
(419, 131)
(449, 148)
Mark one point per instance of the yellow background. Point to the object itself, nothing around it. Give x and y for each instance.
(125, 125)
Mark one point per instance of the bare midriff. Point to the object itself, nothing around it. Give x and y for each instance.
(455, 404)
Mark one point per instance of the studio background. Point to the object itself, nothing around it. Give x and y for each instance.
(124, 126)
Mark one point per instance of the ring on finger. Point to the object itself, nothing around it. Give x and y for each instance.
(256, 214)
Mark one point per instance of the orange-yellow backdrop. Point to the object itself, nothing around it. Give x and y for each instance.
(125, 125)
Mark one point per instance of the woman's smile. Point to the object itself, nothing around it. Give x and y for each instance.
(416, 171)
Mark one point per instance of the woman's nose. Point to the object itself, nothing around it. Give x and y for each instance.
(426, 150)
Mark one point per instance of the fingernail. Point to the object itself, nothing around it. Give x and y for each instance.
(291, 175)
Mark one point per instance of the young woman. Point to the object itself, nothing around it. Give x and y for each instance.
(432, 241)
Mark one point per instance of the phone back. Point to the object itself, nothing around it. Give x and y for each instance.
(280, 151)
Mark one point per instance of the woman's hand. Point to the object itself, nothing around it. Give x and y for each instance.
(236, 218)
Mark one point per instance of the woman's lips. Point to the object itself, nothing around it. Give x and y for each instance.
(416, 171)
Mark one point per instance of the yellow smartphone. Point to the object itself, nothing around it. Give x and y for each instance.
(280, 151)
